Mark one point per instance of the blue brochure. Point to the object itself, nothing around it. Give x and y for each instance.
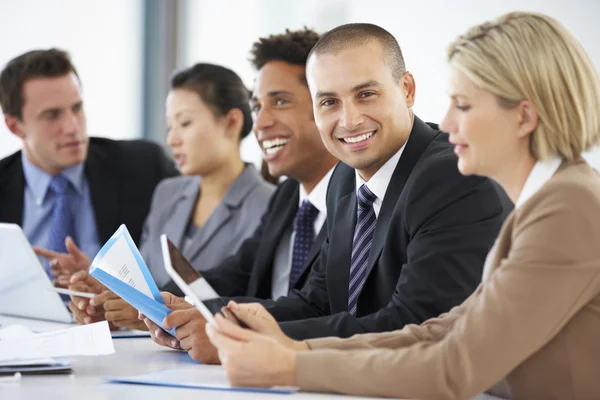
(120, 267)
(208, 377)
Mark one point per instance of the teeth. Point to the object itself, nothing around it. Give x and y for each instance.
(273, 150)
(357, 139)
(267, 144)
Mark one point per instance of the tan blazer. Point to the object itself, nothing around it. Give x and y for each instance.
(531, 330)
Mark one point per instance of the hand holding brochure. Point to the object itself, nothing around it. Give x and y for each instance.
(119, 266)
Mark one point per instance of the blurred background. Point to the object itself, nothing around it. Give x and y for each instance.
(125, 50)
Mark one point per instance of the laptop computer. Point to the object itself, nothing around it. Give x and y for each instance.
(24, 285)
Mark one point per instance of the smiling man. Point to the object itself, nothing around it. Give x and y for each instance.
(407, 234)
(63, 183)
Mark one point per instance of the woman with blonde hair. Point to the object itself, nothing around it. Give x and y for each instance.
(525, 104)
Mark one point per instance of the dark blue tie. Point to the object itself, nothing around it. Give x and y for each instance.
(62, 223)
(361, 244)
(304, 230)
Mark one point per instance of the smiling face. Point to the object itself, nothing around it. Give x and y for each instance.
(196, 136)
(53, 126)
(283, 122)
(486, 136)
(364, 115)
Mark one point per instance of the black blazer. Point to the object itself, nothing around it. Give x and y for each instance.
(433, 233)
(249, 271)
(121, 175)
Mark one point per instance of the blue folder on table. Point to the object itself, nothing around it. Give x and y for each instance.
(208, 377)
(152, 307)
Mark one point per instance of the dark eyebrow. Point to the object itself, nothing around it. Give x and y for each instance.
(274, 93)
(356, 88)
(50, 111)
(366, 85)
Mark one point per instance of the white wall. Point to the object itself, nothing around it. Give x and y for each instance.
(223, 32)
(105, 42)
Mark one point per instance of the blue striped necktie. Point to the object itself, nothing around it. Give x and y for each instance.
(62, 223)
(361, 244)
(304, 230)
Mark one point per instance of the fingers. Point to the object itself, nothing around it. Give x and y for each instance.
(121, 314)
(82, 317)
(80, 276)
(161, 337)
(254, 316)
(103, 297)
(221, 341)
(170, 298)
(181, 317)
(48, 254)
(234, 331)
(72, 247)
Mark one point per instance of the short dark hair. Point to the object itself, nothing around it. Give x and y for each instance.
(358, 34)
(51, 63)
(220, 89)
(291, 47)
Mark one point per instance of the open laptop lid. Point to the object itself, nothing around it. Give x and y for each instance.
(24, 284)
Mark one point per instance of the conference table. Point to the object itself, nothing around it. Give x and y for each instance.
(133, 356)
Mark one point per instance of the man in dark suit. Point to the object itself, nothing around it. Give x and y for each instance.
(64, 184)
(407, 234)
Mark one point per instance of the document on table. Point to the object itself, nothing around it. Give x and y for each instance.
(19, 343)
(211, 377)
(120, 267)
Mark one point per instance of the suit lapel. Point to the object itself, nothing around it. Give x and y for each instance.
(282, 218)
(104, 181)
(218, 218)
(176, 225)
(420, 137)
(12, 192)
(340, 252)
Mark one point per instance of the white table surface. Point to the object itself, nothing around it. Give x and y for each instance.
(133, 356)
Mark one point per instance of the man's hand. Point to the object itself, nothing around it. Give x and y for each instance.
(159, 336)
(117, 311)
(250, 358)
(83, 311)
(64, 265)
(191, 334)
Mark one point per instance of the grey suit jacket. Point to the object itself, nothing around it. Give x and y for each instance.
(234, 220)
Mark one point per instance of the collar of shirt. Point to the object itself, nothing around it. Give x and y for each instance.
(379, 182)
(318, 195)
(540, 174)
(38, 180)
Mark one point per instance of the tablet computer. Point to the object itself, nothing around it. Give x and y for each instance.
(190, 281)
(25, 288)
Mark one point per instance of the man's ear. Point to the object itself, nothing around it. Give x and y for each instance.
(14, 124)
(409, 87)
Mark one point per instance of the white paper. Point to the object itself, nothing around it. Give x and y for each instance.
(86, 340)
(120, 262)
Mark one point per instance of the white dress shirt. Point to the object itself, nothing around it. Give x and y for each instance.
(540, 174)
(282, 263)
(379, 182)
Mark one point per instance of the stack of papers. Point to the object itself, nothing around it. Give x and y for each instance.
(210, 377)
(22, 350)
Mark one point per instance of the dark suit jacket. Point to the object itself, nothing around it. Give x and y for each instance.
(121, 175)
(249, 271)
(433, 232)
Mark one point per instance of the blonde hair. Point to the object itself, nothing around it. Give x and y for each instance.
(532, 56)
